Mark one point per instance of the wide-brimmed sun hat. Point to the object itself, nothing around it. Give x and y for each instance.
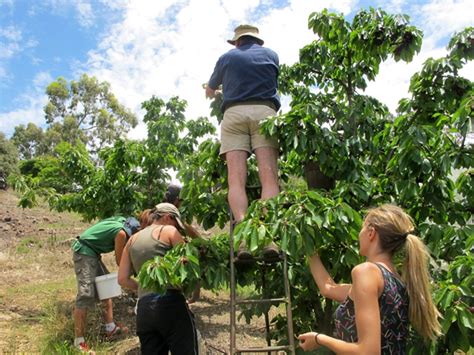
(168, 208)
(246, 30)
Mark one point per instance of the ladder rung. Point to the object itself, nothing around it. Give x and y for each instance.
(264, 300)
(254, 259)
(263, 350)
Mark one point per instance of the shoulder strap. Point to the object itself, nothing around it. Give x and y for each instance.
(159, 234)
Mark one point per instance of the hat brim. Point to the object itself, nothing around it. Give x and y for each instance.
(180, 223)
(251, 34)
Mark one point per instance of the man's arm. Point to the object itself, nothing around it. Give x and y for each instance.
(120, 241)
(215, 81)
(210, 93)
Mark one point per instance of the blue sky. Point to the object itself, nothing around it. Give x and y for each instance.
(168, 47)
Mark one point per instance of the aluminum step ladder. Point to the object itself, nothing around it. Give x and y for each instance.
(234, 302)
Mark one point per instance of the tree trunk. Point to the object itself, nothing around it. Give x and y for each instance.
(315, 178)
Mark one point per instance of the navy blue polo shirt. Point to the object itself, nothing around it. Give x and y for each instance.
(247, 73)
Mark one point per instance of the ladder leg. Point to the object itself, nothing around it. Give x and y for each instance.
(289, 313)
(233, 304)
(232, 288)
(267, 319)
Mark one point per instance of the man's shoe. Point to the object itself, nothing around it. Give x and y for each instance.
(244, 254)
(271, 252)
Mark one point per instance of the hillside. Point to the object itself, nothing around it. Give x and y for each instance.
(38, 289)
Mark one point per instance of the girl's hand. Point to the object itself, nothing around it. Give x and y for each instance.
(308, 341)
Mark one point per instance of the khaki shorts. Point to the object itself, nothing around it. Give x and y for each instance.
(240, 128)
(87, 268)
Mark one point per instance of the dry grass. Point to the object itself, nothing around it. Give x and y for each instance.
(38, 288)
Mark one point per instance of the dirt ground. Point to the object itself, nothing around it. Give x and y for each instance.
(37, 289)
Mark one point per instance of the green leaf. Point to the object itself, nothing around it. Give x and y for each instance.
(193, 259)
(253, 240)
(466, 317)
(449, 317)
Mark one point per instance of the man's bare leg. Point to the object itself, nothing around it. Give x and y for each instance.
(267, 161)
(237, 178)
(80, 315)
(108, 311)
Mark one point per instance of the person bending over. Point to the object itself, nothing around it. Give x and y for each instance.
(106, 236)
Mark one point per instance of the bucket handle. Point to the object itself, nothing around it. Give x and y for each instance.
(103, 268)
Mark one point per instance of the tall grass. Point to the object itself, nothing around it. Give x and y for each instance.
(58, 323)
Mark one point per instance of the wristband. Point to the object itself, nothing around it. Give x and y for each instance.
(316, 339)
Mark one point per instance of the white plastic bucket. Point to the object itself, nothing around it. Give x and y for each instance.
(107, 286)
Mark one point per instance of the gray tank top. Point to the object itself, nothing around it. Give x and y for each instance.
(144, 248)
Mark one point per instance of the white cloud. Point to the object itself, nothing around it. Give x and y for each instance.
(286, 30)
(393, 6)
(441, 18)
(85, 14)
(83, 10)
(12, 44)
(148, 54)
(41, 80)
(30, 111)
(10, 38)
(393, 79)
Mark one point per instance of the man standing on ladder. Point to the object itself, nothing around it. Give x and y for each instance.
(248, 74)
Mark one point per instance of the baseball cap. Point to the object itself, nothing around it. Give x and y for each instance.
(168, 208)
(131, 226)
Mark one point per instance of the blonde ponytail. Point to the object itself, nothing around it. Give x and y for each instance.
(422, 311)
(395, 229)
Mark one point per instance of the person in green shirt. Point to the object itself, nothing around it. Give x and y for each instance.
(107, 235)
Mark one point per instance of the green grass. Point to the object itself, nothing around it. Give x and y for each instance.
(28, 244)
(54, 326)
(59, 329)
(42, 291)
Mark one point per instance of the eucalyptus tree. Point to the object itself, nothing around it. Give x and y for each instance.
(29, 140)
(8, 156)
(89, 111)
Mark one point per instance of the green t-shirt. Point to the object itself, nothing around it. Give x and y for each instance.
(101, 236)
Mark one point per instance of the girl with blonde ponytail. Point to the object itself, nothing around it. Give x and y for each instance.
(376, 309)
(422, 312)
